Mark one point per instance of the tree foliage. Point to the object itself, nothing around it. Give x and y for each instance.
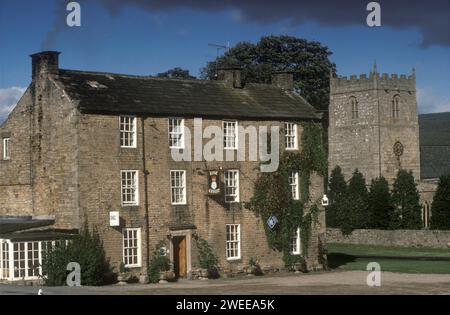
(85, 249)
(407, 212)
(176, 73)
(308, 59)
(440, 208)
(337, 190)
(380, 204)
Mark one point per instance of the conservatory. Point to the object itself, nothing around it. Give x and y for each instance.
(22, 249)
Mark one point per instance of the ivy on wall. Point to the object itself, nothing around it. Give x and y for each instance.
(273, 196)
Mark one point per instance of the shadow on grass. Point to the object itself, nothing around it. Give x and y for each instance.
(336, 260)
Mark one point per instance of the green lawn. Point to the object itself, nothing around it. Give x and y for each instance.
(394, 259)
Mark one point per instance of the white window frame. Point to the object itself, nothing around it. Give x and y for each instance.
(183, 187)
(233, 245)
(291, 136)
(173, 135)
(127, 248)
(6, 149)
(296, 237)
(231, 179)
(229, 138)
(125, 187)
(295, 186)
(26, 271)
(128, 132)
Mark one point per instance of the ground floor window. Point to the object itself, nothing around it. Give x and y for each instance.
(233, 241)
(23, 260)
(132, 248)
(296, 243)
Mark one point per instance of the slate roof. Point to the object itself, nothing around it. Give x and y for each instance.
(106, 93)
(434, 145)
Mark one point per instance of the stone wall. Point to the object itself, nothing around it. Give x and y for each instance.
(101, 159)
(402, 238)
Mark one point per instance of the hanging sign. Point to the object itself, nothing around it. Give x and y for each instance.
(214, 183)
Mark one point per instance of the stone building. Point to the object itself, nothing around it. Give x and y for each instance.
(375, 128)
(96, 149)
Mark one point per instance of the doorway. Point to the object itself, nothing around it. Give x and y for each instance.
(180, 256)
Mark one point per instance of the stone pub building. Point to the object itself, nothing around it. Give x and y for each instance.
(94, 149)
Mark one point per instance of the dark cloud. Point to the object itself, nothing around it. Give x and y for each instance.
(431, 18)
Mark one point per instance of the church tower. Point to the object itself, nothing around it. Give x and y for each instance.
(374, 125)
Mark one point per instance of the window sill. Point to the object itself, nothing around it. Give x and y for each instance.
(234, 260)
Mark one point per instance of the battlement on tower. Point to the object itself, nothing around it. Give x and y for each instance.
(374, 80)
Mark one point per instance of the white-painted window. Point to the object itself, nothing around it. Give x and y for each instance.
(230, 135)
(6, 148)
(178, 187)
(176, 133)
(130, 188)
(296, 243)
(128, 132)
(294, 183)
(231, 186)
(132, 255)
(291, 136)
(233, 241)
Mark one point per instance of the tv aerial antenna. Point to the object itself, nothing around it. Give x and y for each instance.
(219, 48)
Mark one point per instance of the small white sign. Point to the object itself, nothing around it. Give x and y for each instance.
(114, 218)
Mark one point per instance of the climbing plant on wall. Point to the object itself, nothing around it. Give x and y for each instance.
(273, 196)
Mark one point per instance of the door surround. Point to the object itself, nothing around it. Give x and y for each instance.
(188, 235)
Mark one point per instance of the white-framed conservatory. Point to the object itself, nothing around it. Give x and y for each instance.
(22, 260)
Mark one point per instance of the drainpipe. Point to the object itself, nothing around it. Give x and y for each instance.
(146, 173)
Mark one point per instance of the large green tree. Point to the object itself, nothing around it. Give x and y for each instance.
(440, 208)
(380, 204)
(308, 59)
(337, 189)
(407, 212)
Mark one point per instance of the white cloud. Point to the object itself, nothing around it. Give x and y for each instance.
(8, 100)
(431, 103)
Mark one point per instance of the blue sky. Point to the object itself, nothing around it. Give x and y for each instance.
(146, 39)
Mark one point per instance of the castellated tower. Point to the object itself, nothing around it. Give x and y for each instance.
(374, 125)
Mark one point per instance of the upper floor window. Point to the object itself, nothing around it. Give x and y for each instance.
(396, 107)
(294, 183)
(176, 133)
(178, 187)
(355, 108)
(291, 136)
(130, 188)
(127, 132)
(231, 186)
(230, 135)
(6, 148)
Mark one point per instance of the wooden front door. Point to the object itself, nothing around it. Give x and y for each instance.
(179, 262)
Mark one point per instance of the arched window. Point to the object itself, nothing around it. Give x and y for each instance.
(354, 105)
(396, 106)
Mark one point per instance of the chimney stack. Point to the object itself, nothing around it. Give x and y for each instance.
(283, 80)
(45, 63)
(231, 76)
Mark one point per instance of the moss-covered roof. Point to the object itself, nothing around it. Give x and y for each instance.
(106, 93)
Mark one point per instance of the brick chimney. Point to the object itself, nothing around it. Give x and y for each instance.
(283, 80)
(45, 64)
(231, 76)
